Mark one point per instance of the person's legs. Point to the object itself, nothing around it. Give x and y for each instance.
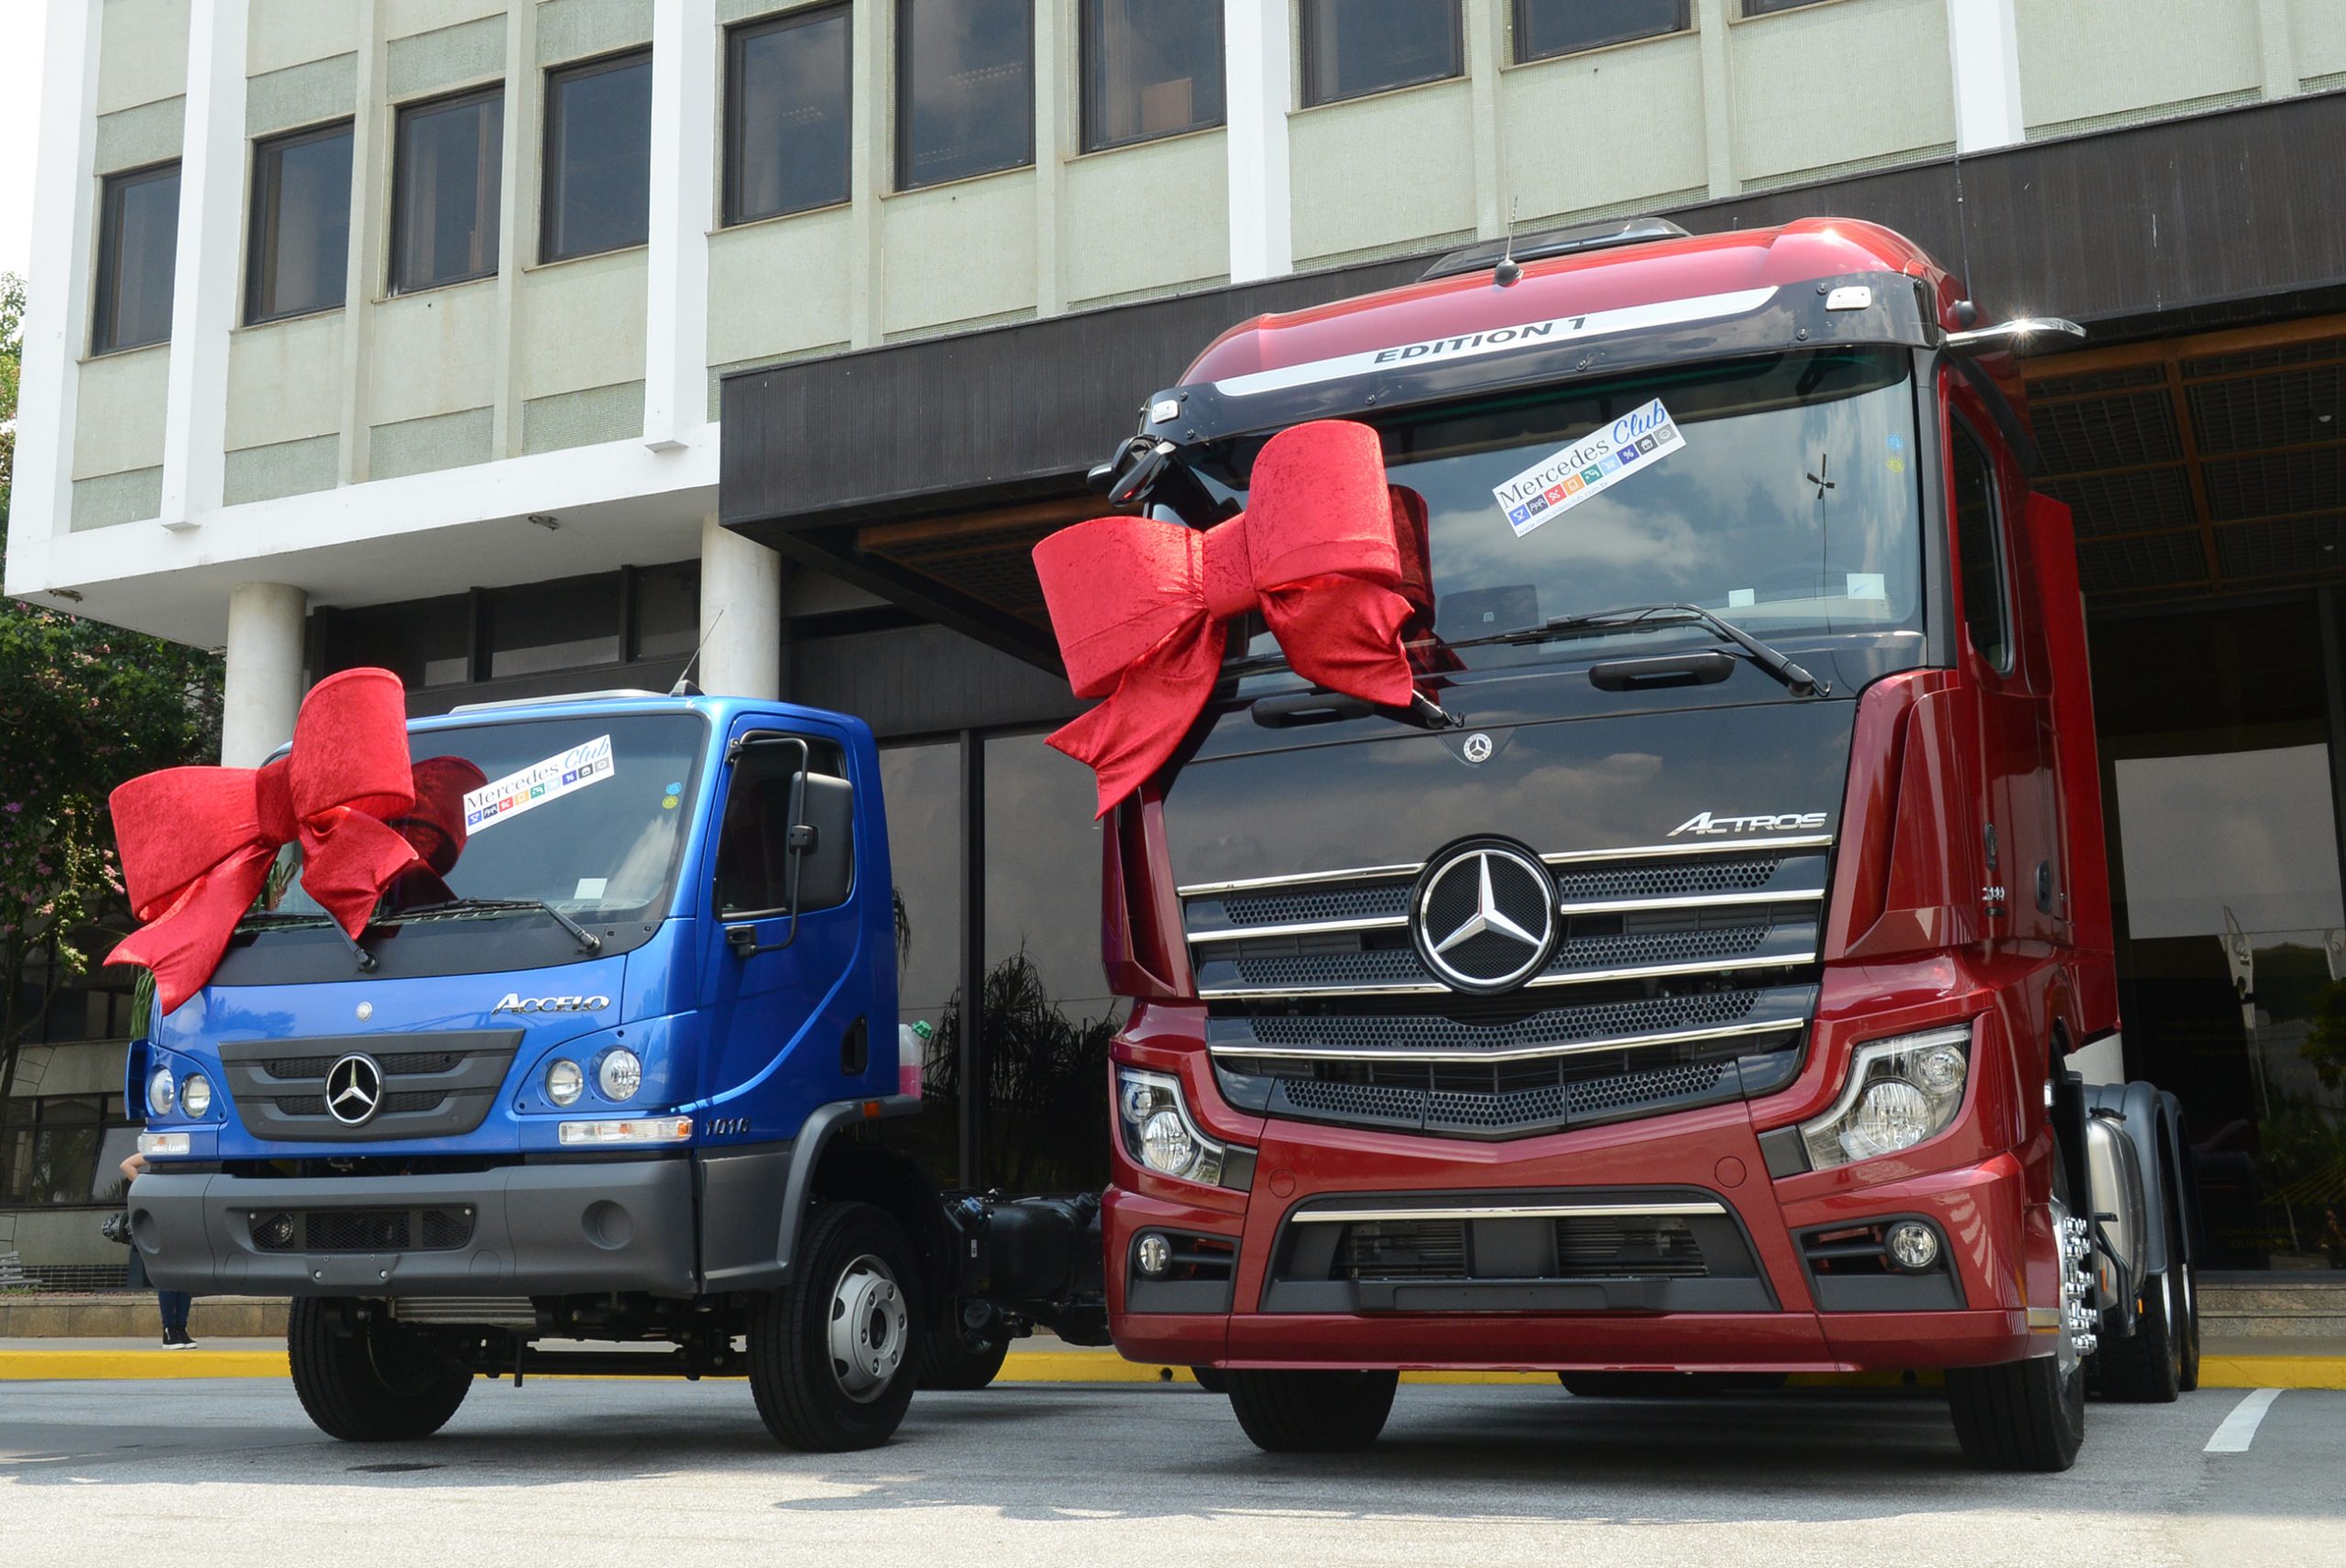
(174, 1305)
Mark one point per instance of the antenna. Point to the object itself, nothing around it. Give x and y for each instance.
(1508, 269)
(684, 686)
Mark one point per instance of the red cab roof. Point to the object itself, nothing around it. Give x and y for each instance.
(1613, 278)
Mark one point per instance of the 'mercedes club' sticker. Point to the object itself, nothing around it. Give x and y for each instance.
(537, 783)
(1561, 480)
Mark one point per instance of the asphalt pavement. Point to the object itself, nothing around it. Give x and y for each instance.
(204, 1473)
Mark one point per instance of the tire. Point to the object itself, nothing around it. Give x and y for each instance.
(2023, 1415)
(376, 1381)
(954, 1361)
(1212, 1379)
(834, 1354)
(1665, 1385)
(2146, 1366)
(1311, 1412)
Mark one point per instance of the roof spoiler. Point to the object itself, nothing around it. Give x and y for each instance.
(1603, 235)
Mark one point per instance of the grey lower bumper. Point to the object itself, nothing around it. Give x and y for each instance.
(528, 1230)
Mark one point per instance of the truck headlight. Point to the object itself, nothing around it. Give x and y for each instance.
(1902, 1092)
(1156, 1129)
(162, 1092)
(564, 1083)
(619, 1075)
(195, 1094)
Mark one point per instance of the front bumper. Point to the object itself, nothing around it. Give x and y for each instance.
(524, 1230)
(1772, 1312)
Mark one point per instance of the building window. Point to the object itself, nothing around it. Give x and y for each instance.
(1770, 8)
(965, 89)
(663, 611)
(1352, 48)
(1151, 67)
(542, 628)
(444, 190)
(786, 127)
(65, 1149)
(1980, 551)
(598, 158)
(300, 250)
(1545, 29)
(138, 232)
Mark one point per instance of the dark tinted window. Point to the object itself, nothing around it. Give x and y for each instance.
(752, 846)
(301, 229)
(1355, 46)
(425, 642)
(965, 88)
(598, 158)
(1546, 28)
(1151, 67)
(444, 190)
(554, 625)
(138, 231)
(1979, 549)
(1767, 8)
(786, 114)
(663, 618)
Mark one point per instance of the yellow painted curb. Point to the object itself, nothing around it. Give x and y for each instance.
(91, 1366)
(2273, 1372)
(1061, 1367)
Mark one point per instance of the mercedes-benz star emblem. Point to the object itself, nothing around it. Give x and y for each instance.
(1478, 748)
(1483, 916)
(354, 1088)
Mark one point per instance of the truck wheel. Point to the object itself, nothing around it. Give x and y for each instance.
(380, 1382)
(955, 1361)
(2031, 1415)
(1212, 1379)
(1665, 1385)
(1311, 1412)
(833, 1353)
(2146, 1366)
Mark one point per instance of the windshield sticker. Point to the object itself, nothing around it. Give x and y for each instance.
(1561, 480)
(537, 783)
(1495, 340)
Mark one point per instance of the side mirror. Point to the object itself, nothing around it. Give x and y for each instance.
(817, 843)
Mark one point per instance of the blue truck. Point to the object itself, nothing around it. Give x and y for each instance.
(611, 1095)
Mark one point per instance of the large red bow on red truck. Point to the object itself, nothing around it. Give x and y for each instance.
(1140, 606)
(197, 842)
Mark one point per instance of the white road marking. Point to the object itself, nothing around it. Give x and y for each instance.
(2239, 1427)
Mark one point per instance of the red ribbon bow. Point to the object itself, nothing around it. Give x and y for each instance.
(1140, 606)
(197, 842)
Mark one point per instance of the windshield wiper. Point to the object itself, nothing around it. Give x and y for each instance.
(1796, 679)
(286, 919)
(587, 941)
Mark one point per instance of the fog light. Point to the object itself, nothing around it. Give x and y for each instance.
(1154, 1255)
(620, 1075)
(564, 1082)
(195, 1094)
(1914, 1246)
(275, 1233)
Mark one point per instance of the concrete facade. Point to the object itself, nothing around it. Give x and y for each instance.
(325, 450)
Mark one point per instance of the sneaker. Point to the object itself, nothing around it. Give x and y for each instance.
(176, 1339)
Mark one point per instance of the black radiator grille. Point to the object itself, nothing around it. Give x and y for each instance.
(361, 1229)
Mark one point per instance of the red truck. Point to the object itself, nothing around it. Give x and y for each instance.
(1700, 980)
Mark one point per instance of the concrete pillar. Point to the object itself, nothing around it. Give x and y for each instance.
(264, 684)
(1983, 41)
(740, 615)
(1258, 67)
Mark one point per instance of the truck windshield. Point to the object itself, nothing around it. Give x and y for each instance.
(1780, 492)
(587, 814)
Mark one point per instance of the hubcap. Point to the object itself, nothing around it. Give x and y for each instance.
(869, 1329)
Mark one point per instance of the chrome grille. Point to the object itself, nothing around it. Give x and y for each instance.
(1682, 976)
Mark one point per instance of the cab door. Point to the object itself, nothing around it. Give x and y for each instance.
(2004, 656)
(779, 898)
